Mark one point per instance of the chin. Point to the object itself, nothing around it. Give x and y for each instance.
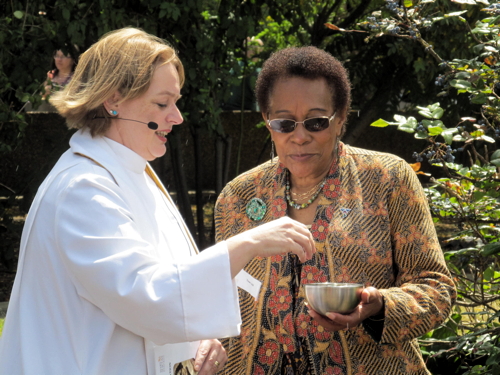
(157, 153)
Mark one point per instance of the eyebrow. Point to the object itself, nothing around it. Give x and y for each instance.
(310, 110)
(169, 93)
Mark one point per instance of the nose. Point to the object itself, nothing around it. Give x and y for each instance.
(175, 116)
(300, 135)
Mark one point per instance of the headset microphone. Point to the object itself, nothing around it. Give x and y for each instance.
(152, 125)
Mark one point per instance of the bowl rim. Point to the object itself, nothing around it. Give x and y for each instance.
(339, 285)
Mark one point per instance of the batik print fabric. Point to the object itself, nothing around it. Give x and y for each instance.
(372, 226)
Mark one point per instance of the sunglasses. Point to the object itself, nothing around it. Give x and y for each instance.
(314, 124)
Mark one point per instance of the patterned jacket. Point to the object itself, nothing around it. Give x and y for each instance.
(372, 226)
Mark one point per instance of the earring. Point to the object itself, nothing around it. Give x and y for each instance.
(113, 112)
(272, 150)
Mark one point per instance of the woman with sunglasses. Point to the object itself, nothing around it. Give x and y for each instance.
(368, 215)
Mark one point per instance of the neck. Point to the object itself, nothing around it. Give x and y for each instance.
(303, 184)
(64, 73)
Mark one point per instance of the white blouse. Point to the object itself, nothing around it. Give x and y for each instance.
(107, 270)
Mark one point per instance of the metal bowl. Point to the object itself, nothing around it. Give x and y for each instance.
(333, 297)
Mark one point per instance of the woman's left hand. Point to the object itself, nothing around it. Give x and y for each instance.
(372, 303)
(210, 357)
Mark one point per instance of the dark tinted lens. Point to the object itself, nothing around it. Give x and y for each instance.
(316, 124)
(282, 126)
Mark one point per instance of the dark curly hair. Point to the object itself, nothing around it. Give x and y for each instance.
(305, 62)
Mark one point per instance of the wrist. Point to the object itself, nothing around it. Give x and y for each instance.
(240, 252)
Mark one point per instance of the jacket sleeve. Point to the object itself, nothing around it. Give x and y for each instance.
(113, 267)
(424, 291)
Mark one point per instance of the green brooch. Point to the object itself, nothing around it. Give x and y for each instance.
(256, 209)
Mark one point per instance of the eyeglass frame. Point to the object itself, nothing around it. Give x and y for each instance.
(330, 119)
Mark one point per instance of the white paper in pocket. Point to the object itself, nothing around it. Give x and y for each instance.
(248, 283)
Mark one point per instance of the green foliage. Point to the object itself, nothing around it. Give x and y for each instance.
(467, 196)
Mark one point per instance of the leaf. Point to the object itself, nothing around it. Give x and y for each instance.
(490, 49)
(434, 130)
(448, 135)
(463, 75)
(408, 3)
(433, 107)
(421, 135)
(491, 249)
(66, 14)
(400, 119)
(495, 155)
(455, 14)
(460, 84)
(425, 112)
(19, 14)
(478, 48)
(406, 128)
(333, 27)
(412, 122)
(336, 28)
(437, 113)
(479, 98)
(380, 123)
(416, 168)
(487, 138)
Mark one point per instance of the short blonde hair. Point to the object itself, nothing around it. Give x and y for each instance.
(123, 60)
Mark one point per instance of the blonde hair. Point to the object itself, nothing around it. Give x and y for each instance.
(123, 60)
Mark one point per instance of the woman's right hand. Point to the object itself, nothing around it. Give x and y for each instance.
(281, 236)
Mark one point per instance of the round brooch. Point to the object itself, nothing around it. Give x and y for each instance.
(256, 209)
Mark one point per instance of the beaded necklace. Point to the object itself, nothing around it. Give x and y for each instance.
(300, 206)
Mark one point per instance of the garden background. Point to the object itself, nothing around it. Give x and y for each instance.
(426, 69)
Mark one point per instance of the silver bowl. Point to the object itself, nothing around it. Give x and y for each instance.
(333, 297)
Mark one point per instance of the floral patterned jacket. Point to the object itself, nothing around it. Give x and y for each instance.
(372, 226)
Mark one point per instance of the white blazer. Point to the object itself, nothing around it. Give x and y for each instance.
(106, 270)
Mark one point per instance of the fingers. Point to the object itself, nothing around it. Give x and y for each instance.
(301, 236)
(281, 236)
(372, 302)
(329, 324)
(210, 357)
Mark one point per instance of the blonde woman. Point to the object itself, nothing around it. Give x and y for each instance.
(107, 269)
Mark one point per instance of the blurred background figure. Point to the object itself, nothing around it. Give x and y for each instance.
(61, 71)
(63, 66)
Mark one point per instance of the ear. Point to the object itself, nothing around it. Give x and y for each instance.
(264, 117)
(112, 102)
